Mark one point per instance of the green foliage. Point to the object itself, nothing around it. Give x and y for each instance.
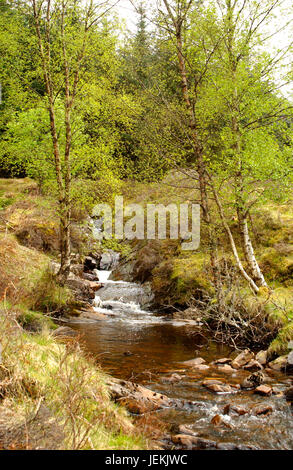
(280, 344)
(46, 294)
(112, 244)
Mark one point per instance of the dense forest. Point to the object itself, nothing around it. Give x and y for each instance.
(191, 106)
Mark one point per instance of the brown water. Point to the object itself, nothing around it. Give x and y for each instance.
(131, 343)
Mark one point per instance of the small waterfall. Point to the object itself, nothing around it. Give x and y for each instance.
(128, 301)
(103, 276)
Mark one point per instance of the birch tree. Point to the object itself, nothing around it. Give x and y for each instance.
(63, 29)
(251, 108)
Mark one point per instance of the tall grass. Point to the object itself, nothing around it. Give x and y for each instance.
(36, 374)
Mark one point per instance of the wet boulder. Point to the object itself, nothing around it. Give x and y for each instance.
(231, 446)
(226, 446)
(264, 390)
(242, 359)
(127, 292)
(263, 410)
(185, 429)
(226, 368)
(89, 277)
(193, 442)
(253, 380)
(82, 288)
(194, 362)
(262, 357)
(253, 366)
(222, 361)
(216, 420)
(201, 367)
(219, 387)
(109, 260)
(172, 379)
(235, 409)
(148, 257)
(90, 263)
(279, 364)
(289, 394)
(139, 398)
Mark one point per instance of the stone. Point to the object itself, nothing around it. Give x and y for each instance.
(264, 390)
(246, 447)
(253, 380)
(253, 366)
(95, 286)
(129, 292)
(240, 411)
(93, 315)
(289, 394)
(193, 442)
(88, 277)
(226, 409)
(134, 406)
(243, 358)
(279, 364)
(90, 263)
(109, 260)
(223, 360)
(184, 429)
(201, 367)
(277, 392)
(194, 362)
(173, 378)
(218, 387)
(262, 410)
(185, 440)
(226, 368)
(139, 398)
(208, 382)
(216, 420)
(81, 287)
(262, 357)
(54, 267)
(290, 358)
(77, 269)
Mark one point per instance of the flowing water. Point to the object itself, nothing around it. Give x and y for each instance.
(131, 342)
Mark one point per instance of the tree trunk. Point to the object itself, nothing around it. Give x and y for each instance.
(197, 147)
(246, 276)
(249, 253)
(65, 217)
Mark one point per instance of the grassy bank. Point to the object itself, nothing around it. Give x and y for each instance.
(51, 395)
